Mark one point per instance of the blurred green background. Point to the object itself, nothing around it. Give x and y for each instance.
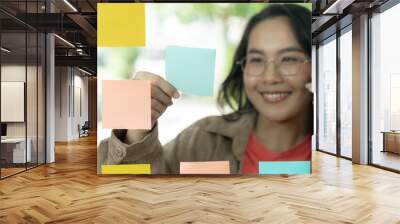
(121, 61)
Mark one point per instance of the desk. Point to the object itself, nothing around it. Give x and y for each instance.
(13, 150)
(391, 141)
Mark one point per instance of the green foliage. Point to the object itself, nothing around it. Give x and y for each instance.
(188, 13)
(118, 61)
(306, 5)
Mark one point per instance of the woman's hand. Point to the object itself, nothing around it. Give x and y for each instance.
(162, 93)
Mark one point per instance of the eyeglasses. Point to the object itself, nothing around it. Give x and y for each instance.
(287, 66)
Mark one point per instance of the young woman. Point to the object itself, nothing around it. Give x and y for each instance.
(266, 88)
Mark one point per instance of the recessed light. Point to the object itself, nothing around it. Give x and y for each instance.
(84, 71)
(70, 5)
(5, 50)
(64, 40)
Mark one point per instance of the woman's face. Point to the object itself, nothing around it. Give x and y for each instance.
(279, 94)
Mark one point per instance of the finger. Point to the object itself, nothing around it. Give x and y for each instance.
(157, 106)
(145, 75)
(158, 94)
(154, 115)
(153, 123)
(166, 87)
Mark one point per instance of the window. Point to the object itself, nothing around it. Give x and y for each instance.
(327, 96)
(385, 89)
(346, 93)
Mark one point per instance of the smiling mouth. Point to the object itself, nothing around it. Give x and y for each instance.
(275, 97)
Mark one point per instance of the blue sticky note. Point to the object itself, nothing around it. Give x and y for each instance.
(284, 167)
(191, 70)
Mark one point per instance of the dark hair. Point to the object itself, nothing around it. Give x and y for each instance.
(232, 89)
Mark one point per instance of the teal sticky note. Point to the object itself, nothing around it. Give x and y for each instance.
(284, 167)
(191, 70)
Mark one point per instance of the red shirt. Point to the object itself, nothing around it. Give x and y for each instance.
(256, 151)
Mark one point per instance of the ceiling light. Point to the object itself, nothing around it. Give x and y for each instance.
(70, 5)
(84, 71)
(5, 50)
(64, 40)
(333, 6)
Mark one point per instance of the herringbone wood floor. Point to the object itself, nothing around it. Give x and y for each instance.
(69, 191)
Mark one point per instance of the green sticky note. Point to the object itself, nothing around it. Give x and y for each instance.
(191, 70)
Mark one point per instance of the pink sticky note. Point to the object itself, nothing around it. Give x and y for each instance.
(126, 104)
(210, 167)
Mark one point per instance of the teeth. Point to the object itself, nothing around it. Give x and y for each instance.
(275, 97)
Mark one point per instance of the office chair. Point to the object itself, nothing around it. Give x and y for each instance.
(84, 130)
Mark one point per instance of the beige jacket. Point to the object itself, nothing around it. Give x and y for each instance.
(209, 139)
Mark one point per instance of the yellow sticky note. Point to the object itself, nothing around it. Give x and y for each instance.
(126, 169)
(121, 25)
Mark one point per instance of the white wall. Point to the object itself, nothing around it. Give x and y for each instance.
(33, 126)
(16, 73)
(12, 101)
(61, 103)
(68, 83)
(82, 82)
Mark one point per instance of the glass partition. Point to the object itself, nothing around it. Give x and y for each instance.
(41, 87)
(14, 152)
(22, 77)
(31, 100)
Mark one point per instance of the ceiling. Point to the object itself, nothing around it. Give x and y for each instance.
(74, 21)
(332, 15)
